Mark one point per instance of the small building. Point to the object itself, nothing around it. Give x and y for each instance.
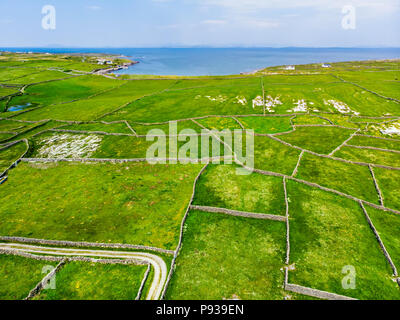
(326, 65)
(290, 68)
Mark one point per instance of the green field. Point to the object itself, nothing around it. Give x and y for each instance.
(300, 121)
(18, 276)
(91, 281)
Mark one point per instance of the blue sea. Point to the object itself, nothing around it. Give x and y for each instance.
(224, 61)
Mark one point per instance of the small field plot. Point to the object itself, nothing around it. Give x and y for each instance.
(308, 119)
(329, 236)
(38, 77)
(375, 142)
(96, 107)
(225, 257)
(385, 158)
(348, 178)
(343, 98)
(118, 127)
(298, 79)
(95, 281)
(184, 104)
(389, 183)
(167, 128)
(387, 130)
(65, 90)
(216, 82)
(268, 155)
(219, 123)
(18, 276)
(134, 203)
(388, 226)
(10, 155)
(7, 74)
(221, 186)
(266, 125)
(322, 140)
(6, 91)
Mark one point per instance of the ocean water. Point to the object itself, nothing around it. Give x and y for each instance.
(224, 61)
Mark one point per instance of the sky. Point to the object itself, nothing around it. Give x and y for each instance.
(213, 23)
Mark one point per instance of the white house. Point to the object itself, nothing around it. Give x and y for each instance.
(326, 65)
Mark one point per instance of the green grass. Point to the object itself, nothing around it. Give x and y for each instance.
(225, 257)
(387, 225)
(197, 102)
(221, 186)
(373, 142)
(181, 125)
(307, 119)
(122, 203)
(10, 155)
(18, 276)
(268, 155)
(65, 90)
(91, 281)
(219, 123)
(348, 178)
(327, 233)
(388, 181)
(322, 140)
(96, 107)
(109, 128)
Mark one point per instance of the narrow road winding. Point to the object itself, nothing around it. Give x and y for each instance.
(158, 264)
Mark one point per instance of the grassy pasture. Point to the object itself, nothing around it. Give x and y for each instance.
(373, 142)
(388, 181)
(217, 262)
(96, 107)
(387, 225)
(307, 119)
(328, 233)
(91, 281)
(197, 102)
(348, 178)
(322, 140)
(122, 203)
(38, 77)
(268, 154)
(18, 276)
(221, 187)
(181, 125)
(369, 156)
(10, 155)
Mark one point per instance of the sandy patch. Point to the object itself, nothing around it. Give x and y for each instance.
(271, 102)
(340, 106)
(300, 106)
(241, 100)
(69, 146)
(392, 129)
